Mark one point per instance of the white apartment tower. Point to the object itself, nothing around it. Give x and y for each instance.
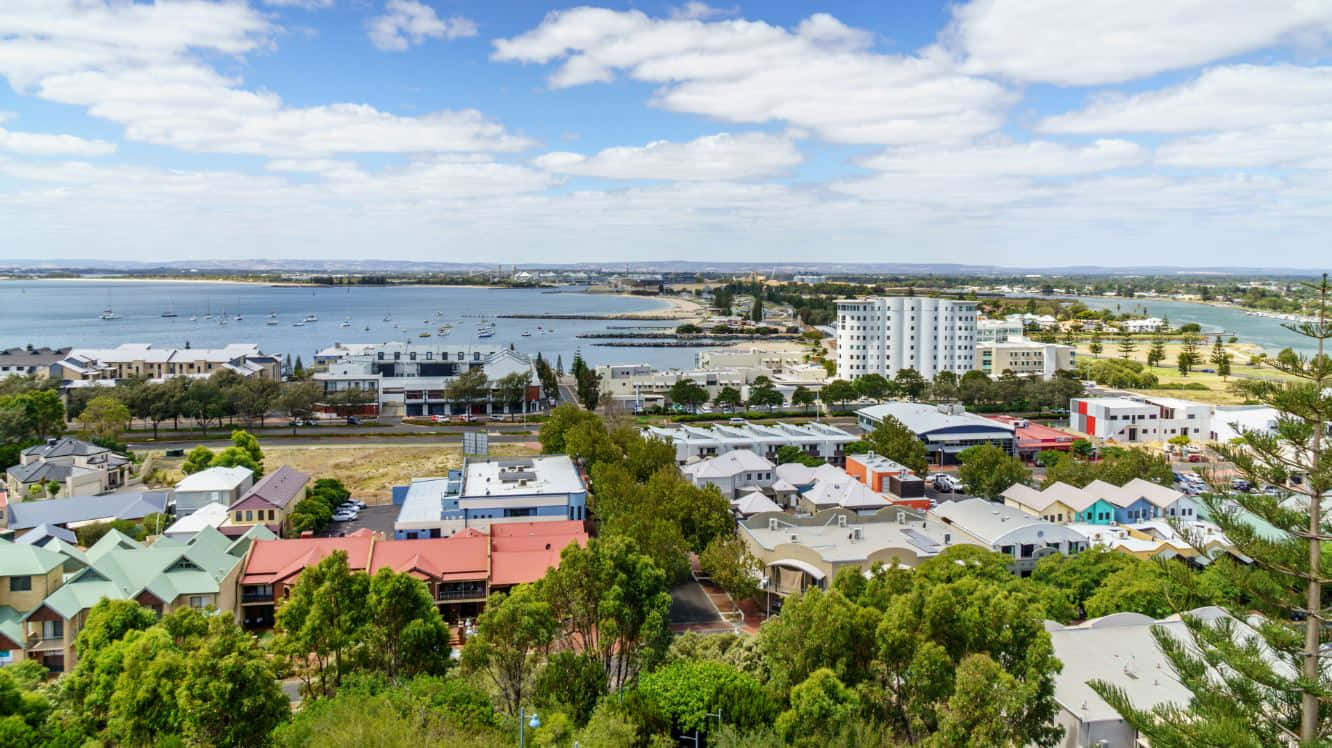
(882, 335)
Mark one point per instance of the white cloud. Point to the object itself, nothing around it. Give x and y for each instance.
(46, 144)
(135, 65)
(710, 158)
(1109, 41)
(1037, 158)
(822, 76)
(306, 4)
(408, 22)
(1307, 144)
(1222, 98)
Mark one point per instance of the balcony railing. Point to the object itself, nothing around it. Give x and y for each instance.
(477, 593)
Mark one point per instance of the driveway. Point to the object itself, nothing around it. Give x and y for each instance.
(377, 517)
(690, 604)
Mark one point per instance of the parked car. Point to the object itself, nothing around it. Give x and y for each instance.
(945, 482)
(1239, 484)
(1274, 490)
(301, 422)
(353, 421)
(737, 420)
(343, 516)
(1197, 458)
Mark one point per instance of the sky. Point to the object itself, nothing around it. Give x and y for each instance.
(1025, 133)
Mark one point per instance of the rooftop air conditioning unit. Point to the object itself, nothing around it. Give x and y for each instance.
(795, 538)
(857, 533)
(841, 520)
(901, 518)
(772, 523)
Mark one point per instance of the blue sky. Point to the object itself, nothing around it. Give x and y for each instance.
(1014, 132)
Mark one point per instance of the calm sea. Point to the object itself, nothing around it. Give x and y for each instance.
(66, 313)
(1263, 331)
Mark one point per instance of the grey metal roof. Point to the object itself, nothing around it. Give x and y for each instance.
(922, 418)
(278, 487)
(66, 446)
(34, 357)
(41, 534)
(27, 514)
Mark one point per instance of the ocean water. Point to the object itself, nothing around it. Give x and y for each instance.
(1263, 331)
(65, 313)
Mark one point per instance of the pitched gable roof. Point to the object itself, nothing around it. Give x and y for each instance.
(281, 561)
(79, 509)
(277, 488)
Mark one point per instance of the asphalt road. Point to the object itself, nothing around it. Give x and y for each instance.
(357, 440)
(376, 517)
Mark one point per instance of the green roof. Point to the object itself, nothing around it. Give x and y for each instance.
(23, 560)
(11, 624)
(121, 571)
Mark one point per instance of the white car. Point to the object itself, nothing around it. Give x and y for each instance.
(344, 517)
(946, 482)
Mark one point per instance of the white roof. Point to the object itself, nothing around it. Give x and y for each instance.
(1227, 422)
(211, 514)
(834, 543)
(993, 522)
(1072, 497)
(753, 503)
(131, 352)
(1120, 650)
(726, 465)
(521, 476)
(795, 473)
(424, 503)
(743, 435)
(1112, 402)
(846, 492)
(215, 479)
(922, 418)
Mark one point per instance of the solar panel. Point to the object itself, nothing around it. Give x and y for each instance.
(921, 540)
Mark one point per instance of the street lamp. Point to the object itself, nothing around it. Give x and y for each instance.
(523, 723)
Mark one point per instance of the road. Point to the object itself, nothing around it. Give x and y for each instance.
(334, 441)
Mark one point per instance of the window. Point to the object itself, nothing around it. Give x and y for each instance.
(249, 515)
(238, 515)
(200, 601)
(53, 629)
(20, 584)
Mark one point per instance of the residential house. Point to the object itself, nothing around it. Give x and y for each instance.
(802, 552)
(844, 492)
(28, 573)
(274, 566)
(1150, 324)
(78, 511)
(732, 473)
(493, 492)
(84, 365)
(1135, 420)
(41, 535)
(522, 552)
(1061, 503)
(267, 503)
(753, 502)
(29, 362)
(215, 485)
(456, 569)
(1012, 532)
(81, 468)
(167, 575)
(209, 515)
(946, 429)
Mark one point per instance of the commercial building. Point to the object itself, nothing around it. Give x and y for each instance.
(802, 552)
(492, 492)
(215, 485)
(1025, 358)
(268, 502)
(79, 467)
(732, 473)
(1135, 420)
(694, 442)
(1012, 532)
(413, 379)
(775, 361)
(1034, 438)
(83, 365)
(1151, 324)
(885, 476)
(883, 335)
(946, 429)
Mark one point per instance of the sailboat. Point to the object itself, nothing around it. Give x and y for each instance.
(108, 313)
(170, 311)
(346, 322)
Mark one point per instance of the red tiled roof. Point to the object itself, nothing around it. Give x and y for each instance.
(1036, 435)
(462, 556)
(522, 552)
(273, 561)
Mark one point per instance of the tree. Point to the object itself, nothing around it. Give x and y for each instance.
(687, 692)
(1070, 336)
(1135, 588)
(249, 444)
(570, 681)
(910, 383)
(1220, 358)
(104, 418)
(803, 397)
(837, 391)
(256, 397)
(404, 627)
(1260, 702)
(765, 395)
(1126, 345)
(819, 705)
(945, 386)
(199, 458)
(587, 383)
(559, 424)
(1156, 353)
(728, 562)
(512, 634)
(1188, 356)
(895, 441)
(688, 394)
(1095, 346)
(229, 695)
(988, 471)
(299, 400)
(726, 399)
(985, 709)
(468, 387)
(1081, 575)
(872, 386)
(546, 377)
(615, 602)
(205, 403)
(756, 310)
(320, 622)
(791, 453)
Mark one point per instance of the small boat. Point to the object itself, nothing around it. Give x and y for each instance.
(423, 335)
(170, 312)
(526, 334)
(272, 315)
(193, 318)
(240, 318)
(271, 322)
(367, 328)
(310, 318)
(388, 318)
(108, 314)
(345, 323)
(485, 333)
(298, 324)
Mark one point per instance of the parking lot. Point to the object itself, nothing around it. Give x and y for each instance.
(376, 517)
